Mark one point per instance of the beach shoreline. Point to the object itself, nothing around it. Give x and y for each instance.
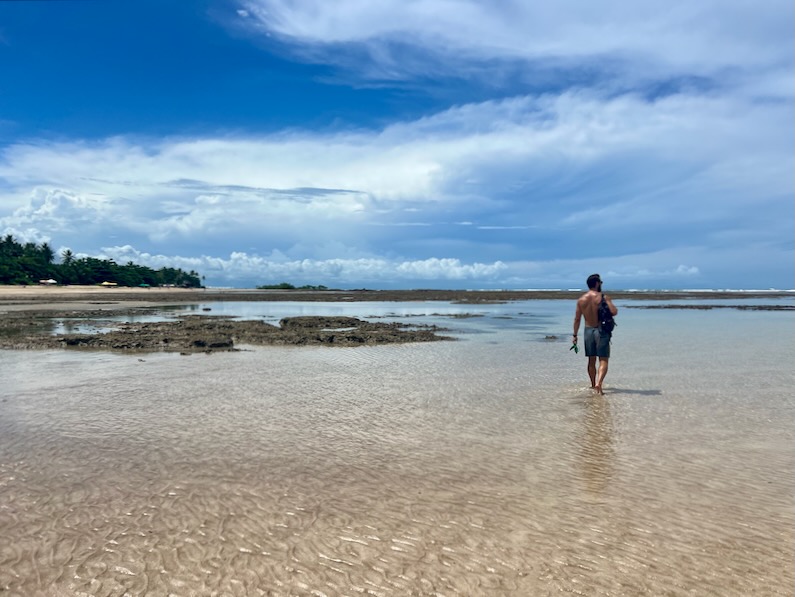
(30, 298)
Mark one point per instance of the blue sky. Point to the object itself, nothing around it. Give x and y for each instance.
(406, 143)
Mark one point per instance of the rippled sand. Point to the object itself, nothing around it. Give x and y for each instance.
(478, 467)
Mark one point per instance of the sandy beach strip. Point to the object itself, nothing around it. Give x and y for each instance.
(24, 298)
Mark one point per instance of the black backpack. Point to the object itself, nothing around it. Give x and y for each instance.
(606, 321)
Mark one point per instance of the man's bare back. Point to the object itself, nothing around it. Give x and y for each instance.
(588, 306)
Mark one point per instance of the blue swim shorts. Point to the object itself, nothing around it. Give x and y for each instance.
(597, 344)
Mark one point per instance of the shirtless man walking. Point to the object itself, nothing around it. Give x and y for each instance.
(597, 344)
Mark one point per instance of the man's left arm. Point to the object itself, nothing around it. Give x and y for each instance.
(577, 317)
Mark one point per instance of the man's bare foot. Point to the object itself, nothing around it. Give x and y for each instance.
(598, 390)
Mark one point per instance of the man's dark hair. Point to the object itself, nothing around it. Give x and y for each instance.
(593, 281)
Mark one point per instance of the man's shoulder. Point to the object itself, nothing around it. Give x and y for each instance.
(584, 302)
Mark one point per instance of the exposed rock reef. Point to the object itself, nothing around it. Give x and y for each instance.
(202, 333)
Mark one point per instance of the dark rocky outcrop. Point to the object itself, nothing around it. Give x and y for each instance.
(201, 333)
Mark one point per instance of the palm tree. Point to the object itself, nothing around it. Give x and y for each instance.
(67, 257)
(46, 253)
(30, 250)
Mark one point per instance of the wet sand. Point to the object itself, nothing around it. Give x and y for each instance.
(88, 297)
(477, 467)
(14, 295)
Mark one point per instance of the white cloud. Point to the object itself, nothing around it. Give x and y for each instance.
(253, 269)
(686, 270)
(55, 209)
(704, 37)
(641, 273)
(410, 160)
(440, 269)
(25, 235)
(552, 169)
(506, 227)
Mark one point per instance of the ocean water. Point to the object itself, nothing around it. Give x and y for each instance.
(483, 466)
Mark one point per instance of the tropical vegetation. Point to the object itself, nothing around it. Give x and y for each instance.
(31, 263)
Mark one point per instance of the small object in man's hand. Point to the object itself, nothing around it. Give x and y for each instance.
(575, 348)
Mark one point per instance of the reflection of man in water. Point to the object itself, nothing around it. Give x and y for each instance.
(597, 344)
(597, 444)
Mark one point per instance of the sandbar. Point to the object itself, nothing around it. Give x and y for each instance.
(15, 298)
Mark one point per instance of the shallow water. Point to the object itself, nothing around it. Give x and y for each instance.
(478, 467)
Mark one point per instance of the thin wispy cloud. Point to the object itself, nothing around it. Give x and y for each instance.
(680, 37)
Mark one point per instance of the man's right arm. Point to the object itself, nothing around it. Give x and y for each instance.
(577, 317)
(612, 307)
